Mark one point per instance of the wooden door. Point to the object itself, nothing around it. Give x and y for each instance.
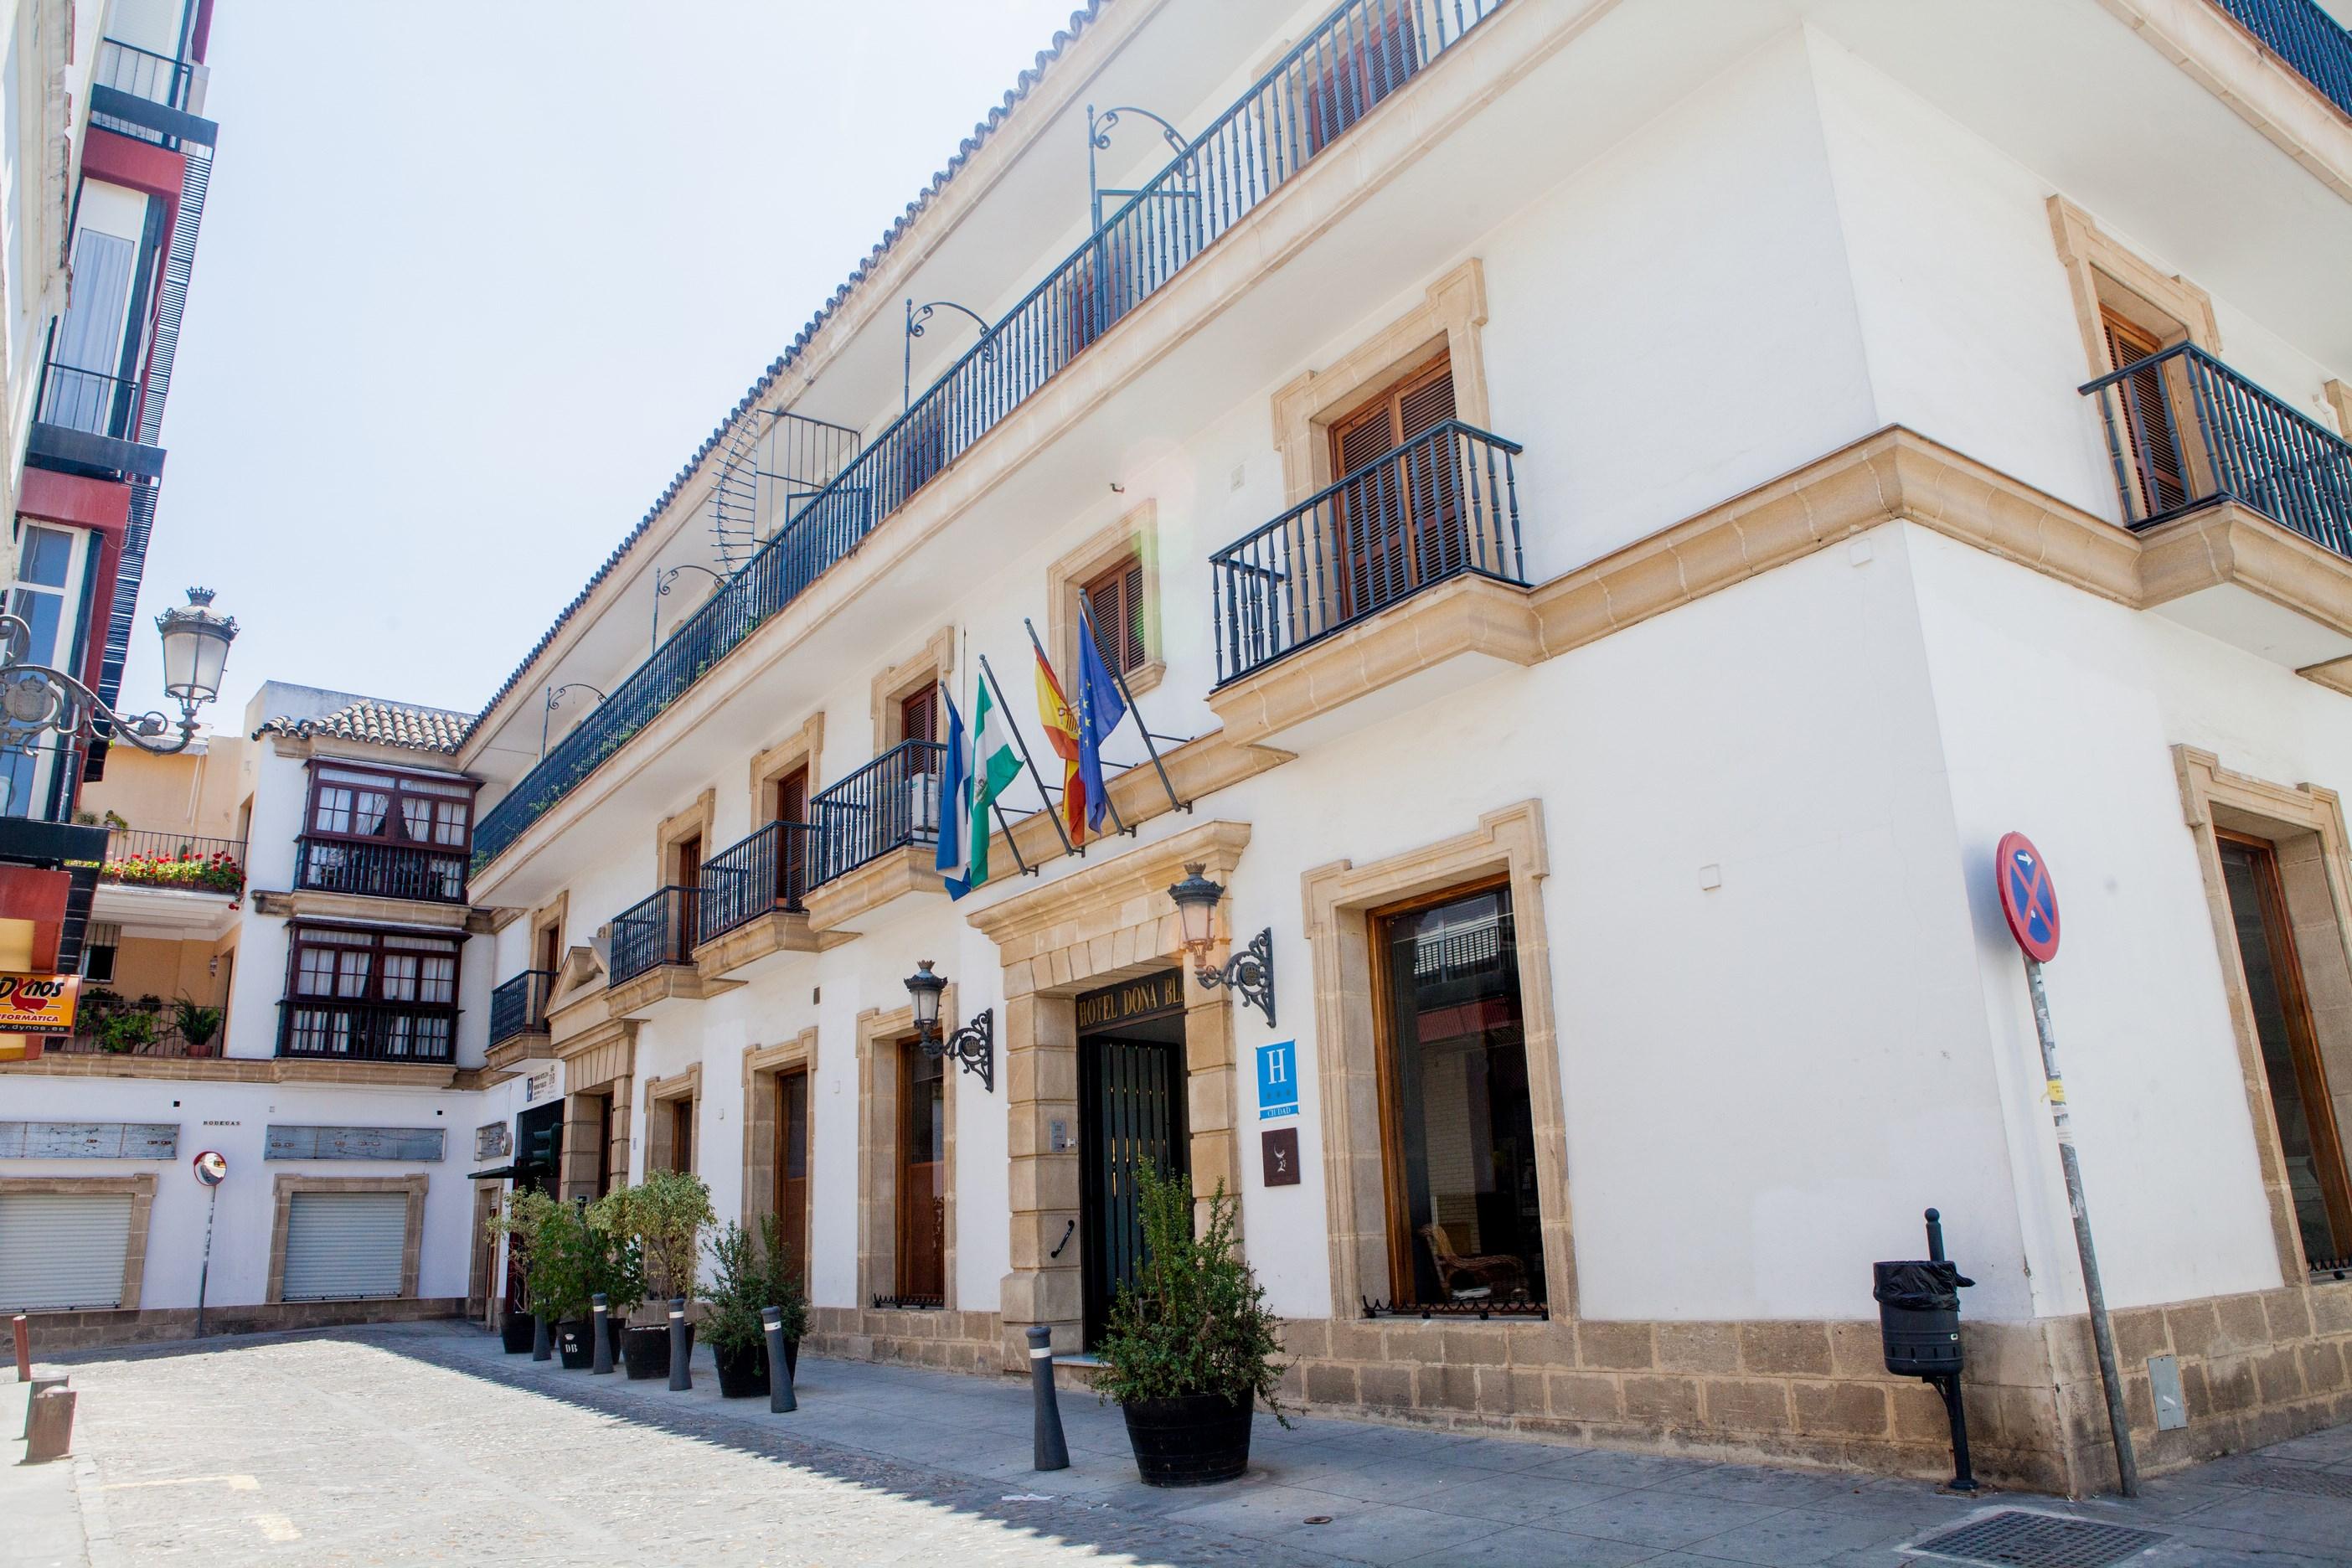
(2143, 405)
(791, 1185)
(792, 850)
(922, 1176)
(1398, 521)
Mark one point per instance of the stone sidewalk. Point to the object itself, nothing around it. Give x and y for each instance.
(425, 1444)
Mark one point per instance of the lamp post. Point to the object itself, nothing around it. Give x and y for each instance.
(668, 580)
(35, 700)
(556, 695)
(973, 1045)
(916, 316)
(1249, 973)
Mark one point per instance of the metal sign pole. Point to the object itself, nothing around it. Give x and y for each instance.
(2102, 1332)
(205, 1270)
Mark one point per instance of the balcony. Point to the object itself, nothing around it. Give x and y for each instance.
(652, 954)
(144, 73)
(89, 422)
(372, 870)
(146, 858)
(2185, 431)
(1356, 56)
(518, 1007)
(323, 1029)
(2303, 35)
(878, 833)
(1442, 506)
(752, 893)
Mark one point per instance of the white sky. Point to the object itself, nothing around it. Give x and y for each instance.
(477, 277)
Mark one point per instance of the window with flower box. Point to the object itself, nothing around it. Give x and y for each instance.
(387, 833)
(375, 995)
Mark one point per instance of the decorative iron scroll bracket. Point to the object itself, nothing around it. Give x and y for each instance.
(1098, 130)
(917, 316)
(1480, 1309)
(975, 1046)
(1249, 974)
(35, 700)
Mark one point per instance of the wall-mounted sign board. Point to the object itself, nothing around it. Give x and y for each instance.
(493, 1141)
(1277, 1079)
(352, 1143)
(90, 1141)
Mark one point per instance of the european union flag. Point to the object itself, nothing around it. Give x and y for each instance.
(1101, 710)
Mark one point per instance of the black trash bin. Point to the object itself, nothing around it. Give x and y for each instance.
(1919, 1316)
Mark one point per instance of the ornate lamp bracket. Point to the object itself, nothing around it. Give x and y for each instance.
(1249, 974)
(975, 1046)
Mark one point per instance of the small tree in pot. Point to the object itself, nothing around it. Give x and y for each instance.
(521, 1218)
(749, 1275)
(562, 1252)
(662, 1217)
(1191, 1345)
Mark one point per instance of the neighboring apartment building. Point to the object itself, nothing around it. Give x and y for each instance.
(280, 954)
(1609, 509)
(106, 159)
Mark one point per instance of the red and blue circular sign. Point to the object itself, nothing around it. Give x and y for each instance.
(2028, 898)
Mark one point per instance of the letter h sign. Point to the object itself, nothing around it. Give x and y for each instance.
(1277, 1079)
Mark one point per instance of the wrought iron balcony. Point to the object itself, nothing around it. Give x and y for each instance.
(378, 870)
(518, 1007)
(766, 872)
(655, 931)
(1443, 505)
(144, 857)
(2184, 431)
(891, 803)
(366, 1031)
(1357, 56)
(2307, 38)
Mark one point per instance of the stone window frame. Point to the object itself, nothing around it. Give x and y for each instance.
(1109, 922)
(2305, 822)
(762, 1065)
(2103, 272)
(142, 1190)
(1136, 532)
(2338, 398)
(803, 748)
(879, 1035)
(552, 915)
(696, 821)
(659, 1095)
(1450, 320)
(934, 662)
(286, 1185)
(1338, 898)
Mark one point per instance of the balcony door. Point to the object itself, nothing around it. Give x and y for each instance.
(792, 1193)
(791, 805)
(922, 1176)
(2159, 482)
(1398, 521)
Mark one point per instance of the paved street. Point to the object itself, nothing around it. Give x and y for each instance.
(424, 1444)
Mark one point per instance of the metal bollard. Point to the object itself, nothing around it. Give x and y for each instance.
(41, 1384)
(600, 1353)
(680, 1375)
(23, 1349)
(781, 1398)
(48, 1425)
(541, 1350)
(1052, 1453)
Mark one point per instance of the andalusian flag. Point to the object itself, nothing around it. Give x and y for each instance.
(971, 797)
(1061, 730)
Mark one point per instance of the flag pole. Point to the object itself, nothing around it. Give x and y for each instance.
(1116, 821)
(1141, 727)
(997, 685)
(1026, 869)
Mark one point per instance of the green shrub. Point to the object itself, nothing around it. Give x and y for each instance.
(1194, 1320)
(662, 1218)
(783, 1283)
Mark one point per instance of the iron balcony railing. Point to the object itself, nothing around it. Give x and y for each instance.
(1443, 504)
(1357, 56)
(2307, 38)
(658, 931)
(144, 73)
(764, 873)
(379, 870)
(144, 857)
(89, 401)
(2184, 430)
(888, 804)
(518, 1007)
(365, 1031)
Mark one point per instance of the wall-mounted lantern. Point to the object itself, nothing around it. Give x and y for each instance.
(35, 700)
(1250, 972)
(974, 1044)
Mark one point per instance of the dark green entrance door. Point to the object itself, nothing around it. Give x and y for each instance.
(1131, 1109)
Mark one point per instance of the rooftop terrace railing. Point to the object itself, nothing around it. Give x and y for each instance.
(1346, 64)
(2307, 38)
(2184, 431)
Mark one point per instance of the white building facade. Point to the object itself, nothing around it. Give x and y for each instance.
(1599, 507)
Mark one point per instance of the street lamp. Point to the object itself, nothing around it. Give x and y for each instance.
(554, 696)
(974, 1044)
(35, 699)
(1249, 973)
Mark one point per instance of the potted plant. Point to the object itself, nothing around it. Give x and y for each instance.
(129, 1031)
(614, 1266)
(520, 1219)
(1190, 1344)
(749, 1275)
(561, 1253)
(662, 1218)
(198, 1025)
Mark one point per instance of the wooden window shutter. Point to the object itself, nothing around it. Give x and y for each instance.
(792, 797)
(2146, 411)
(918, 715)
(1116, 602)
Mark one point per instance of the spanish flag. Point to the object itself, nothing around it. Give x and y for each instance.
(1061, 730)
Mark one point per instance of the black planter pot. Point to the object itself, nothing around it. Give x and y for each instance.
(645, 1351)
(742, 1370)
(572, 1345)
(792, 1358)
(515, 1333)
(1194, 1440)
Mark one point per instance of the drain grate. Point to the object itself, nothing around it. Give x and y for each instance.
(2015, 1539)
(2295, 1478)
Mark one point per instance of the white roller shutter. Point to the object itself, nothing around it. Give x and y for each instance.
(343, 1247)
(60, 1250)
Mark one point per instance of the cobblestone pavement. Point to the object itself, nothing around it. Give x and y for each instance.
(422, 1444)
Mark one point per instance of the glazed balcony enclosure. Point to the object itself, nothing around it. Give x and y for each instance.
(379, 870)
(367, 1031)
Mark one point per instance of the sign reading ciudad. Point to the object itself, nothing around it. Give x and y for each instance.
(38, 1003)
